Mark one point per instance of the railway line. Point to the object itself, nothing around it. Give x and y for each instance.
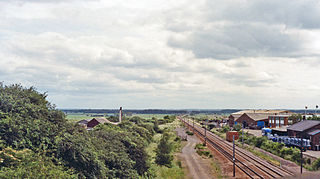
(251, 165)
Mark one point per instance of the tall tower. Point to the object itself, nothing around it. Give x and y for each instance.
(120, 114)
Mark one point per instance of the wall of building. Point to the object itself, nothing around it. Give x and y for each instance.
(277, 121)
(92, 123)
(247, 120)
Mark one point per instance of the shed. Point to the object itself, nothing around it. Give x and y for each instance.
(232, 118)
(251, 120)
(96, 121)
(308, 129)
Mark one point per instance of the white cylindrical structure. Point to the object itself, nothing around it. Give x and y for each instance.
(120, 114)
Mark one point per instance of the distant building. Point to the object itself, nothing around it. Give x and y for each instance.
(83, 123)
(308, 129)
(232, 118)
(264, 111)
(253, 120)
(95, 121)
(279, 120)
(257, 118)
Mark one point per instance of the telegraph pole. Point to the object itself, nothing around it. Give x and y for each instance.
(193, 124)
(233, 159)
(242, 134)
(205, 132)
(301, 161)
(305, 113)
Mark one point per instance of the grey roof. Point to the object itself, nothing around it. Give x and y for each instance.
(314, 132)
(101, 120)
(236, 116)
(257, 117)
(85, 121)
(303, 125)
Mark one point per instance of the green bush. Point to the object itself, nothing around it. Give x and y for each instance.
(163, 151)
(189, 133)
(27, 164)
(224, 129)
(316, 164)
(237, 127)
(199, 146)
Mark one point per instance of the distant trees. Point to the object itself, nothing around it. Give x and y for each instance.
(295, 118)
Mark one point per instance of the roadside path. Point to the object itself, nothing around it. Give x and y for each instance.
(198, 167)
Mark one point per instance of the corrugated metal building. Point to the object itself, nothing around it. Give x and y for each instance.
(308, 129)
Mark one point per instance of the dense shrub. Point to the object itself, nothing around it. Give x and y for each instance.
(29, 121)
(163, 151)
(237, 127)
(316, 164)
(27, 164)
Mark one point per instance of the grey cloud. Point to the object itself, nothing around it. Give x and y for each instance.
(233, 29)
(240, 40)
(292, 13)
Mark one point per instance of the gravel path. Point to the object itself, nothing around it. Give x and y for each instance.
(198, 167)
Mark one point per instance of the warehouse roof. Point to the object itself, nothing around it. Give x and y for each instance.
(303, 125)
(314, 132)
(236, 116)
(258, 117)
(264, 111)
(255, 116)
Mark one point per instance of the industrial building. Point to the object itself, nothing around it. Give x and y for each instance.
(279, 120)
(308, 129)
(260, 118)
(253, 120)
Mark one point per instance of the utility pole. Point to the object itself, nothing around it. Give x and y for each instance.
(193, 124)
(242, 134)
(234, 159)
(305, 113)
(205, 132)
(301, 161)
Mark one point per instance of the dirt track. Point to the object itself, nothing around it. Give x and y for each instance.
(198, 167)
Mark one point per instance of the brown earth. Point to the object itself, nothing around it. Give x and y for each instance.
(198, 167)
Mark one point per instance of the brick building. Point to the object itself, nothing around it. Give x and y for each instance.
(253, 120)
(96, 121)
(232, 118)
(308, 129)
(278, 120)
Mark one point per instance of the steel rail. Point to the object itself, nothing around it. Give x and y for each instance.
(258, 163)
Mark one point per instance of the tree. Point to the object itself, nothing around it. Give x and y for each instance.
(27, 164)
(295, 118)
(163, 151)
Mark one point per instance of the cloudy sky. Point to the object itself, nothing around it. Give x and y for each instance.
(164, 53)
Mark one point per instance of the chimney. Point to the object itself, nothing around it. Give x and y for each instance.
(120, 114)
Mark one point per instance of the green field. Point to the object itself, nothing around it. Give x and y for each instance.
(81, 116)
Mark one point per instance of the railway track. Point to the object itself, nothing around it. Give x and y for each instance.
(251, 165)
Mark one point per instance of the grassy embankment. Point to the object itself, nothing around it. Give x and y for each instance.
(175, 171)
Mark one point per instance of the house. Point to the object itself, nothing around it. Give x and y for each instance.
(95, 121)
(232, 118)
(253, 120)
(307, 129)
(83, 123)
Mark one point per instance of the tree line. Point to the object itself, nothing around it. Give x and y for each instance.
(36, 141)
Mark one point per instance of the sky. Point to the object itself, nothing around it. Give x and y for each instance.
(171, 54)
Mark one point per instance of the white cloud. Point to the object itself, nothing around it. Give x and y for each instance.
(163, 54)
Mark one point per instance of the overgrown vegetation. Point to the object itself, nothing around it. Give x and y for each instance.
(202, 150)
(36, 141)
(189, 133)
